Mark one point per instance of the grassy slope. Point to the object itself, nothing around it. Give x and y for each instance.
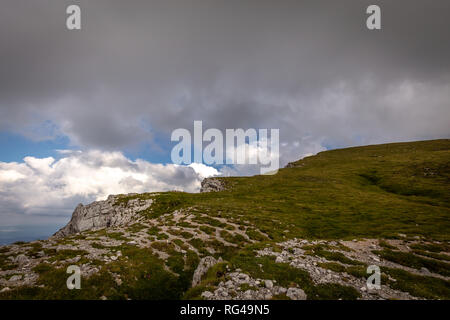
(374, 191)
(371, 192)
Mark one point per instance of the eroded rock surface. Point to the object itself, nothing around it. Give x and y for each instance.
(202, 268)
(241, 286)
(212, 185)
(101, 214)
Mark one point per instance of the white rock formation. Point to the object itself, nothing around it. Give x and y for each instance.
(101, 214)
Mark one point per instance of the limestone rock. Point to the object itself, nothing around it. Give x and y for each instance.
(21, 260)
(269, 284)
(296, 294)
(101, 214)
(207, 294)
(212, 185)
(203, 267)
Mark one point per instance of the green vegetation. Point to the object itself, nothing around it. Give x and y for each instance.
(6, 264)
(335, 291)
(255, 235)
(4, 250)
(155, 232)
(319, 250)
(386, 245)
(211, 221)
(116, 236)
(233, 238)
(287, 276)
(246, 286)
(432, 247)
(66, 254)
(433, 255)
(185, 224)
(336, 267)
(419, 286)
(180, 233)
(215, 274)
(374, 192)
(97, 245)
(136, 227)
(414, 261)
(208, 230)
(35, 247)
(143, 276)
(379, 191)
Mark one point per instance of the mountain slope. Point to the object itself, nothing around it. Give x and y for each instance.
(309, 231)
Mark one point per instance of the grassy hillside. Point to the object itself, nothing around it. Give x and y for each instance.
(373, 191)
(391, 202)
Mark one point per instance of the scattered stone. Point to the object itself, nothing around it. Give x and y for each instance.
(207, 295)
(296, 294)
(243, 277)
(360, 250)
(15, 278)
(21, 260)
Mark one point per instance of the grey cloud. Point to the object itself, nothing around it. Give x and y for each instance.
(310, 68)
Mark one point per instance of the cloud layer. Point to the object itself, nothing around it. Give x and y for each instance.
(140, 69)
(49, 187)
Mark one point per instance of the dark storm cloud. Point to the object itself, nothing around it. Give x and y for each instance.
(310, 68)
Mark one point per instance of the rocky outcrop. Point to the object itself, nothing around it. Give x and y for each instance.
(296, 294)
(202, 268)
(101, 214)
(241, 286)
(294, 164)
(212, 185)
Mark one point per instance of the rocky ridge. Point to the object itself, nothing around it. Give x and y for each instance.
(168, 237)
(104, 214)
(212, 185)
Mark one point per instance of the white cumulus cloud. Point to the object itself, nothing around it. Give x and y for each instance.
(53, 187)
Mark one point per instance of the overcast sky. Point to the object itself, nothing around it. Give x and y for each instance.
(139, 69)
